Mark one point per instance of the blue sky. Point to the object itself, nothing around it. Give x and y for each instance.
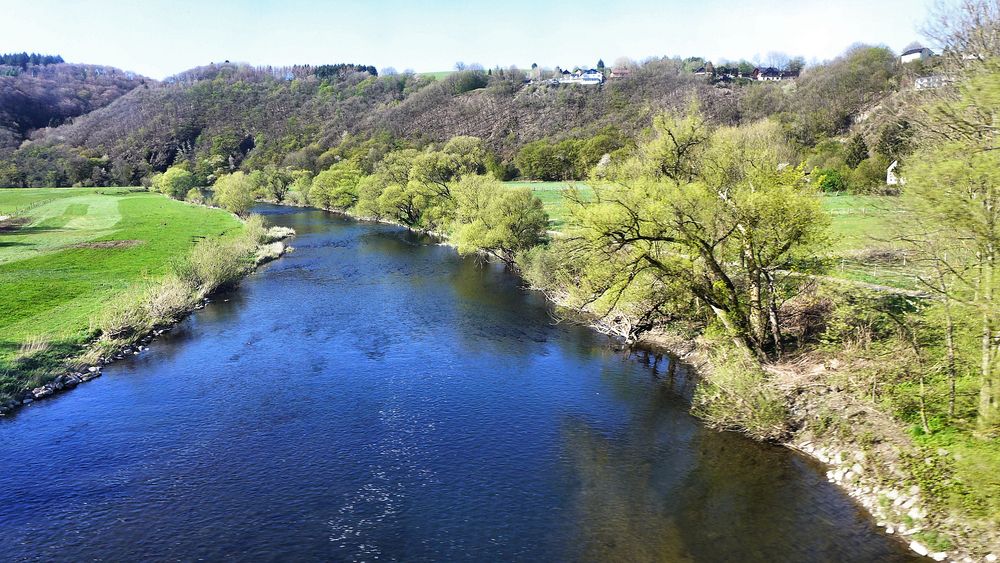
(159, 38)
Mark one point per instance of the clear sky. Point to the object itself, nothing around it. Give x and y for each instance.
(158, 38)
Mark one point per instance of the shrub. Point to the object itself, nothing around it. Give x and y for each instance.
(830, 180)
(195, 196)
(174, 183)
(737, 395)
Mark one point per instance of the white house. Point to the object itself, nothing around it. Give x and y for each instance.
(915, 52)
(891, 178)
(590, 77)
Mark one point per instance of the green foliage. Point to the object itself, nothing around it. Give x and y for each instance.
(829, 180)
(570, 159)
(869, 175)
(497, 220)
(336, 187)
(466, 80)
(857, 151)
(195, 196)
(895, 140)
(174, 183)
(828, 95)
(737, 396)
(714, 212)
(235, 193)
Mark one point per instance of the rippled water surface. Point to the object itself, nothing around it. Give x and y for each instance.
(373, 396)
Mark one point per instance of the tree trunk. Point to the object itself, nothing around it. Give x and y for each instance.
(949, 340)
(989, 392)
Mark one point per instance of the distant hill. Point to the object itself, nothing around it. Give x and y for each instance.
(94, 125)
(33, 96)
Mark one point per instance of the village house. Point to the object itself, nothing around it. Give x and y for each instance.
(589, 77)
(915, 52)
(620, 72)
(771, 74)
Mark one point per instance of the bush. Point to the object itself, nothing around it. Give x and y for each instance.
(174, 183)
(195, 196)
(869, 176)
(830, 180)
(736, 395)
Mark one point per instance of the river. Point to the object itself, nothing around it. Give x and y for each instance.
(373, 396)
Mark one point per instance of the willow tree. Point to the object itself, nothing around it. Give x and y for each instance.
(497, 220)
(717, 214)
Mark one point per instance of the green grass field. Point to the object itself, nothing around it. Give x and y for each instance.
(551, 194)
(438, 75)
(67, 251)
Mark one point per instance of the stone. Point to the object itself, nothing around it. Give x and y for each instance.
(915, 513)
(919, 548)
(914, 489)
(856, 468)
(890, 530)
(93, 369)
(909, 503)
(939, 556)
(27, 401)
(991, 558)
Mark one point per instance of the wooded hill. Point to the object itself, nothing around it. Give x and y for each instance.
(227, 116)
(47, 94)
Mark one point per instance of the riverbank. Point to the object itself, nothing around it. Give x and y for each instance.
(868, 454)
(123, 321)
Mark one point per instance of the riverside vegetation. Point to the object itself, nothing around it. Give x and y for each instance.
(116, 264)
(867, 321)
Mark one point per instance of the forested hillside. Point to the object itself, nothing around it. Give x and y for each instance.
(224, 117)
(39, 91)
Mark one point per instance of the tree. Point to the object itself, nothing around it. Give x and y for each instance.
(271, 183)
(492, 218)
(712, 214)
(795, 65)
(857, 151)
(235, 193)
(953, 190)
(174, 183)
(336, 187)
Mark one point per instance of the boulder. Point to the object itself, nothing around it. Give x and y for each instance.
(918, 548)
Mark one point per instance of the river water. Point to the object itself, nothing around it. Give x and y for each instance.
(373, 396)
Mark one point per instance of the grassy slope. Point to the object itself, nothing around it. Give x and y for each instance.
(15, 202)
(53, 279)
(438, 75)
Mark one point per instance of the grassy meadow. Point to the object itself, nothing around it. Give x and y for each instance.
(65, 252)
